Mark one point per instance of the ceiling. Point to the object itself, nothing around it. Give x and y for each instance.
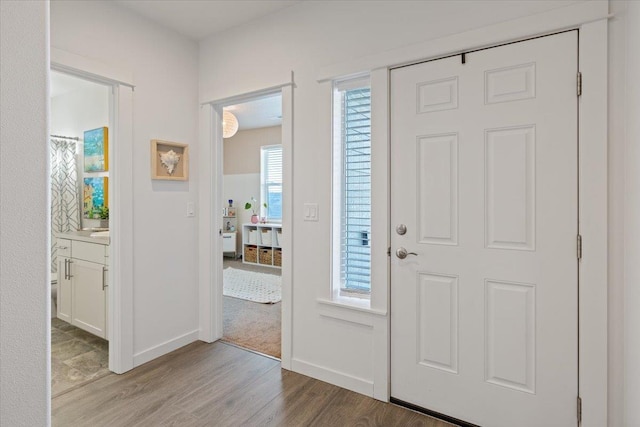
(260, 113)
(198, 19)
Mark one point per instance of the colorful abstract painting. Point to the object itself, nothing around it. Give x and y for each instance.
(96, 150)
(96, 196)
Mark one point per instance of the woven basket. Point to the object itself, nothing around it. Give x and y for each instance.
(265, 256)
(251, 254)
(277, 257)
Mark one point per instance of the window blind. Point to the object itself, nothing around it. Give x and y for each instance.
(271, 180)
(356, 190)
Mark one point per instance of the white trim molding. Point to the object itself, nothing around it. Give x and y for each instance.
(210, 244)
(120, 311)
(165, 348)
(341, 379)
(593, 223)
(88, 68)
(120, 314)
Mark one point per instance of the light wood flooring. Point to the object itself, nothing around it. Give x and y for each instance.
(222, 385)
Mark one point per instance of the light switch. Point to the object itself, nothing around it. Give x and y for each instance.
(191, 210)
(310, 211)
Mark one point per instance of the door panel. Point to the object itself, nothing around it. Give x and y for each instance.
(484, 176)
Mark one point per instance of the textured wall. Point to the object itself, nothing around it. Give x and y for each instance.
(24, 304)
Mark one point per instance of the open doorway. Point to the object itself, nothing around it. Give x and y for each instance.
(252, 224)
(79, 164)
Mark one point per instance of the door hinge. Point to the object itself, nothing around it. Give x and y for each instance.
(389, 251)
(579, 409)
(579, 246)
(579, 83)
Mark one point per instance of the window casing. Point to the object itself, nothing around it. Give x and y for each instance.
(351, 258)
(271, 182)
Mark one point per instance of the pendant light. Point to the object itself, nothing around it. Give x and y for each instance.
(229, 124)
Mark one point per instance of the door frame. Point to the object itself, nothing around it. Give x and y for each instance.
(210, 243)
(120, 299)
(591, 19)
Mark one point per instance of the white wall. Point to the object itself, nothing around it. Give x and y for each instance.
(632, 220)
(24, 267)
(241, 165)
(165, 106)
(242, 151)
(312, 35)
(83, 109)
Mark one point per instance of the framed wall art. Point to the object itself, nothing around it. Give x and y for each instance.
(95, 197)
(96, 150)
(169, 160)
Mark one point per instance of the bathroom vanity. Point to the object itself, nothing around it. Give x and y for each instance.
(83, 280)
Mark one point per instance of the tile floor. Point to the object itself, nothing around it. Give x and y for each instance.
(77, 357)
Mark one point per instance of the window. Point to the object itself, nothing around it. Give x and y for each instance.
(271, 182)
(352, 187)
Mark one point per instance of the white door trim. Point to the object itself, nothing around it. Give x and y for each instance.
(593, 206)
(211, 312)
(591, 19)
(120, 311)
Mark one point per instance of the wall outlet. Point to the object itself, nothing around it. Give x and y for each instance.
(310, 211)
(191, 210)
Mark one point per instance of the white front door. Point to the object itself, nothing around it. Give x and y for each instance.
(484, 177)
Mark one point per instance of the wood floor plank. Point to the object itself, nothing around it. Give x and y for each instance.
(237, 374)
(296, 406)
(221, 385)
(231, 408)
(160, 382)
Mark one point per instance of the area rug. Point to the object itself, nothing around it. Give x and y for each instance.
(252, 286)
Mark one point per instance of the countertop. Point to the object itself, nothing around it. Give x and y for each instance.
(83, 236)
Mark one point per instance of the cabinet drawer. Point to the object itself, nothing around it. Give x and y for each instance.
(64, 247)
(88, 251)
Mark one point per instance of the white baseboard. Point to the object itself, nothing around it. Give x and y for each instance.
(330, 376)
(164, 348)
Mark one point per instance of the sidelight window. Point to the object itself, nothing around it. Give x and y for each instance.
(351, 256)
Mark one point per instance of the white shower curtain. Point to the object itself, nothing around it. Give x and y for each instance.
(65, 201)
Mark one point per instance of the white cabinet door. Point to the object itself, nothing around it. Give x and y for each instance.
(228, 242)
(89, 296)
(64, 297)
(484, 179)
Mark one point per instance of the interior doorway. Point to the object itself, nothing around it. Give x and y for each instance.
(252, 181)
(81, 118)
(484, 210)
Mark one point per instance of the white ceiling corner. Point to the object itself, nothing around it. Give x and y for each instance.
(198, 19)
